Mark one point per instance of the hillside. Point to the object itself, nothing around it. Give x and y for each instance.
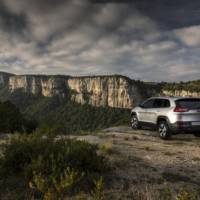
(190, 88)
(59, 115)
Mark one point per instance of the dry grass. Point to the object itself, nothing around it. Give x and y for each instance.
(196, 159)
(135, 138)
(175, 177)
(107, 147)
(168, 153)
(126, 138)
(148, 148)
(148, 168)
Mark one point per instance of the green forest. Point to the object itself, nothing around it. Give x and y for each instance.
(191, 86)
(26, 112)
(12, 120)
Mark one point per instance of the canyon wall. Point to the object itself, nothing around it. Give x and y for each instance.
(47, 86)
(114, 91)
(4, 79)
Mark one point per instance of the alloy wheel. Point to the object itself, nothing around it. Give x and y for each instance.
(134, 122)
(162, 130)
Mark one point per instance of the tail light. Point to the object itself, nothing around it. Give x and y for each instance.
(180, 109)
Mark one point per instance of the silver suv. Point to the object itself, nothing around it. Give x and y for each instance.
(169, 115)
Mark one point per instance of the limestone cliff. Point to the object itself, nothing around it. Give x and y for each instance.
(4, 79)
(47, 86)
(114, 91)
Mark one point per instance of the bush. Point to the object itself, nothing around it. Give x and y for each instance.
(185, 194)
(98, 192)
(107, 147)
(191, 86)
(53, 166)
(12, 120)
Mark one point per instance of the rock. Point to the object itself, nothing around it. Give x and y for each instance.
(47, 86)
(4, 79)
(113, 91)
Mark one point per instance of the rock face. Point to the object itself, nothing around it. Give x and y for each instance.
(113, 91)
(4, 79)
(47, 86)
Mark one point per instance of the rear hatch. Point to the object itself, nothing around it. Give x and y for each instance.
(189, 108)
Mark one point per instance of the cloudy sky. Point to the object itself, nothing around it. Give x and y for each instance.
(153, 40)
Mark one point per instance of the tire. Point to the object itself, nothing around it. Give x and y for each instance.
(164, 130)
(134, 122)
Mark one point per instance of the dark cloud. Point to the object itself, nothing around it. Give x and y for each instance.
(139, 38)
(171, 14)
(11, 22)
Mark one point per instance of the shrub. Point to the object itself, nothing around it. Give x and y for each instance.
(185, 194)
(12, 120)
(52, 166)
(165, 194)
(56, 186)
(126, 138)
(98, 192)
(107, 147)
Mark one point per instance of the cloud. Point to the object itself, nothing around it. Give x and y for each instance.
(77, 37)
(189, 35)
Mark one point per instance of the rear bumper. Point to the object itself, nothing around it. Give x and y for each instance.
(184, 127)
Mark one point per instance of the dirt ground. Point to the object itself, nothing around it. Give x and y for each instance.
(144, 166)
(142, 162)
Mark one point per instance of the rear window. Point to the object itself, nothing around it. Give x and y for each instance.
(188, 103)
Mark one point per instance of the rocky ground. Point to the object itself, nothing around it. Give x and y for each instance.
(143, 163)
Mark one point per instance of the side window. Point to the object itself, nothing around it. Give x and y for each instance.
(166, 103)
(158, 103)
(148, 104)
(161, 103)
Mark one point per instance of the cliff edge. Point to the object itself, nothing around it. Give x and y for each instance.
(113, 91)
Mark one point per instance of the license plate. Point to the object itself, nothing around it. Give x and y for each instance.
(196, 123)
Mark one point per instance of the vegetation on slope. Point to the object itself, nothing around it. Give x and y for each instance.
(191, 86)
(48, 168)
(66, 116)
(11, 119)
